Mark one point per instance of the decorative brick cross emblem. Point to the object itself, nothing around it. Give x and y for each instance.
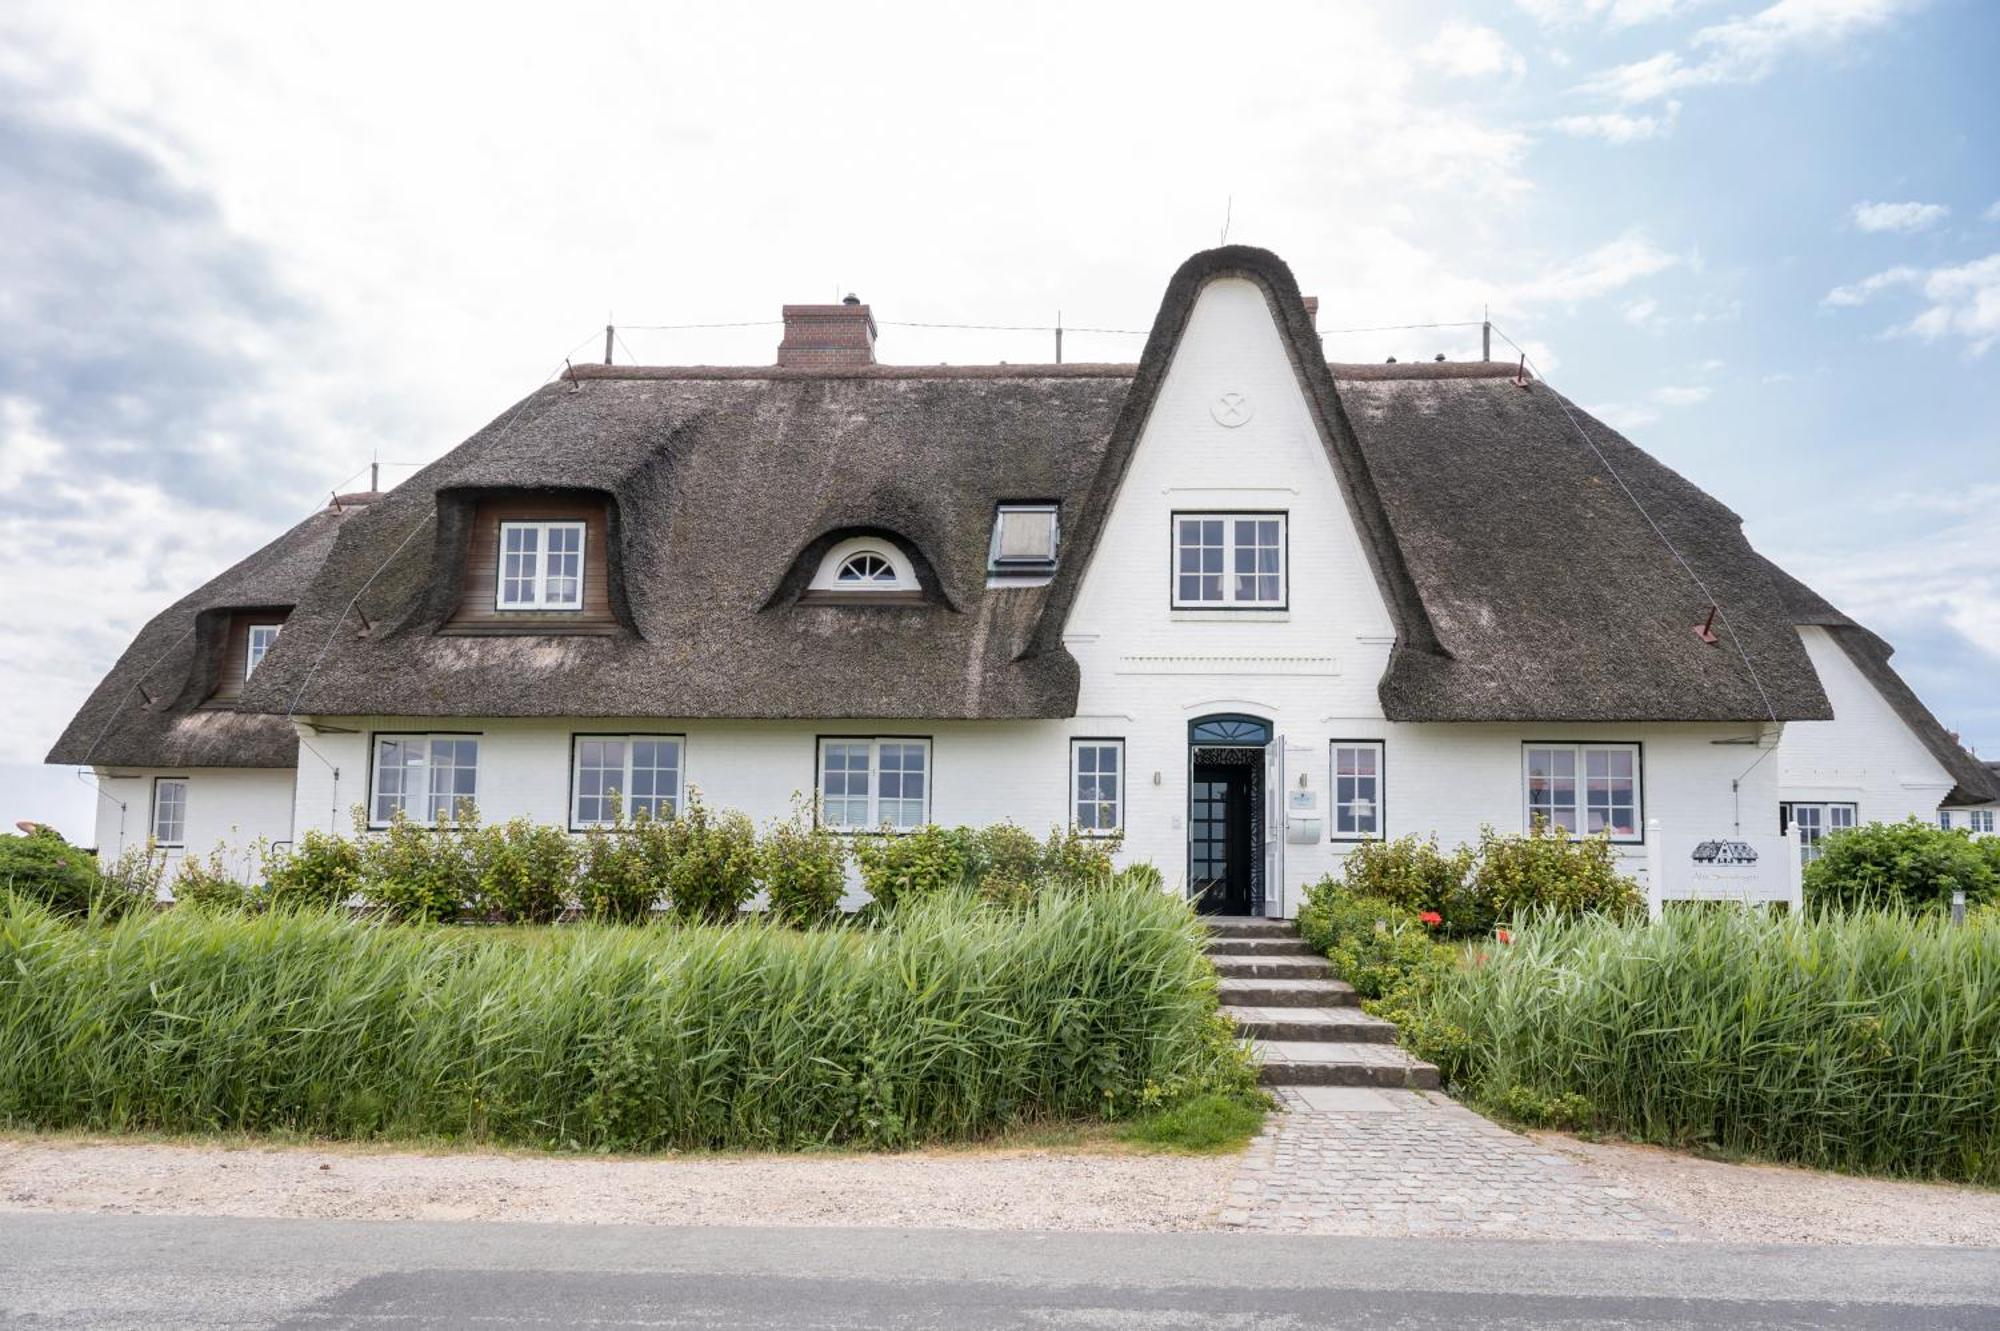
(1231, 409)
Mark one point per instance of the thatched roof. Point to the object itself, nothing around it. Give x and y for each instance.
(1523, 582)
(149, 711)
(1978, 783)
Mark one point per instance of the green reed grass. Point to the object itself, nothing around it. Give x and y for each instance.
(950, 1022)
(1867, 1042)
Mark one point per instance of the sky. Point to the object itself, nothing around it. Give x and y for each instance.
(247, 249)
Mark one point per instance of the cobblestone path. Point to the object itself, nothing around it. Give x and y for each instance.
(1353, 1160)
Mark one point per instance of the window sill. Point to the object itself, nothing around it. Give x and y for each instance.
(1181, 615)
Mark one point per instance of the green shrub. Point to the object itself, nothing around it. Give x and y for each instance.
(1374, 945)
(954, 1021)
(898, 867)
(620, 877)
(712, 870)
(1416, 875)
(803, 867)
(522, 872)
(413, 872)
(207, 884)
(1004, 862)
(1911, 864)
(42, 867)
(130, 882)
(318, 870)
(1142, 875)
(1070, 856)
(1865, 1041)
(1550, 870)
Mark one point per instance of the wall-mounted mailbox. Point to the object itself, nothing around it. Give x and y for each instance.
(1302, 820)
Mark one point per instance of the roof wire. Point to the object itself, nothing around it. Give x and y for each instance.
(1696, 578)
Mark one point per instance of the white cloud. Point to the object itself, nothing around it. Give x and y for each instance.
(1640, 312)
(1963, 300)
(1613, 13)
(1628, 416)
(1604, 270)
(1992, 214)
(1748, 49)
(1905, 217)
(1619, 126)
(1682, 395)
(1467, 50)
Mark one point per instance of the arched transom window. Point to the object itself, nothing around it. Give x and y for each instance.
(865, 564)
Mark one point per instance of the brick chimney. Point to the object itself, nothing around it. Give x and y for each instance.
(822, 337)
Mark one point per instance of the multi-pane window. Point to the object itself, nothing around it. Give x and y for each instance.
(426, 778)
(541, 566)
(1944, 819)
(1815, 823)
(170, 803)
(866, 568)
(618, 777)
(1229, 560)
(1981, 819)
(1097, 785)
(1357, 790)
(868, 785)
(1587, 788)
(261, 638)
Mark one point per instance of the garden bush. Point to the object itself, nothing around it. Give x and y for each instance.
(803, 867)
(912, 865)
(42, 867)
(621, 870)
(954, 1020)
(205, 883)
(1070, 856)
(1550, 870)
(413, 872)
(522, 872)
(1865, 1041)
(1911, 864)
(711, 868)
(320, 869)
(1003, 861)
(1415, 874)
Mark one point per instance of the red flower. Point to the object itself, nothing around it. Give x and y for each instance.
(1503, 935)
(1431, 918)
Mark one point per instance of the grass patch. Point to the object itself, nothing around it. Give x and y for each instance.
(954, 1021)
(1866, 1043)
(1212, 1123)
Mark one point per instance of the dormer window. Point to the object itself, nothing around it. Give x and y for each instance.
(1024, 539)
(865, 566)
(260, 639)
(541, 566)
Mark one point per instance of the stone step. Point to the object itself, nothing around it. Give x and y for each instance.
(1259, 947)
(1332, 1063)
(1274, 968)
(1268, 992)
(1248, 926)
(1324, 1025)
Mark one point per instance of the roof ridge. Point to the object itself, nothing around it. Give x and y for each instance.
(1350, 371)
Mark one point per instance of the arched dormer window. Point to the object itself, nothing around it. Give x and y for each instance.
(864, 566)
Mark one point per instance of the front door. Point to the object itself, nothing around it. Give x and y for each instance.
(1220, 837)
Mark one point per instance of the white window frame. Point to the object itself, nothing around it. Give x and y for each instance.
(254, 652)
(1334, 803)
(1580, 750)
(425, 816)
(543, 557)
(876, 778)
(826, 578)
(1229, 599)
(672, 800)
(1981, 821)
(1119, 776)
(1828, 823)
(998, 563)
(1944, 819)
(161, 785)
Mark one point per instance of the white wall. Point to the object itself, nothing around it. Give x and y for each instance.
(1866, 755)
(1446, 779)
(231, 807)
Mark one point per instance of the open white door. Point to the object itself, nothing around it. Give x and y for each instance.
(1274, 827)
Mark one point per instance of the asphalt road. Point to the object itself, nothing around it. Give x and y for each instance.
(155, 1272)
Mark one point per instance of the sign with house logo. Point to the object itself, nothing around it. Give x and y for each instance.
(1736, 867)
